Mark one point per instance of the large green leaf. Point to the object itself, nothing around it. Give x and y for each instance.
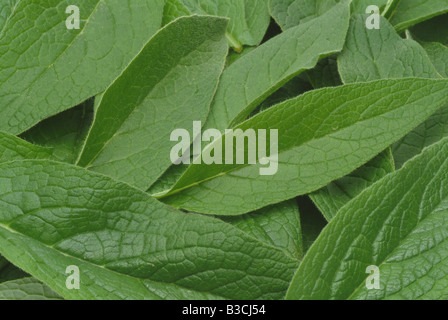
(291, 13)
(169, 85)
(7, 7)
(372, 55)
(398, 225)
(363, 59)
(323, 135)
(333, 197)
(27, 289)
(249, 19)
(277, 225)
(126, 244)
(47, 68)
(254, 77)
(411, 12)
(65, 133)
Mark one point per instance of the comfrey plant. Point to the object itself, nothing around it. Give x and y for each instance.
(211, 149)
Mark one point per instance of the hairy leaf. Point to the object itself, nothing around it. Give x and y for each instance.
(47, 68)
(126, 244)
(411, 12)
(278, 226)
(65, 133)
(27, 289)
(169, 85)
(398, 225)
(13, 148)
(333, 197)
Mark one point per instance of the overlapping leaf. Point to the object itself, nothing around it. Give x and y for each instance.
(126, 244)
(64, 133)
(411, 12)
(398, 225)
(249, 19)
(323, 135)
(47, 68)
(27, 289)
(169, 85)
(252, 78)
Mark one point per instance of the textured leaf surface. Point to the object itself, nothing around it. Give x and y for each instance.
(168, 86)
(434, 30)
(438, 53)
(411, 12)
(338, 193)
(278, 226)
(47, 68)
(7, 7)
(399, 225)
(325, 74)
(372, 55)
(248, 23)
(252, 78)
(126, 244)
(290, 13)
(64, 133)
(9, 272)
(381, 54)
(323, 135)
(27, 289)
(13, 148)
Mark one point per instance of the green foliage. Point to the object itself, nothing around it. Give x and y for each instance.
(95, 205)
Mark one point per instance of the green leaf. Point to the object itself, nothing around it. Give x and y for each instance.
(434, 30)
(249, 19)
(363, 59)
(291, 13)
(7, 7)
(438, 53)
(372, 55)
(412, 12)
(398, 225)
(126, 244)
(278, 226)
(129, 139)
(254, 77)
(311, 220)
(13, 148)
(47, 68)
(65, 133)
(27, 289)
(323, 135)
(360, 6)
(338, 193)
